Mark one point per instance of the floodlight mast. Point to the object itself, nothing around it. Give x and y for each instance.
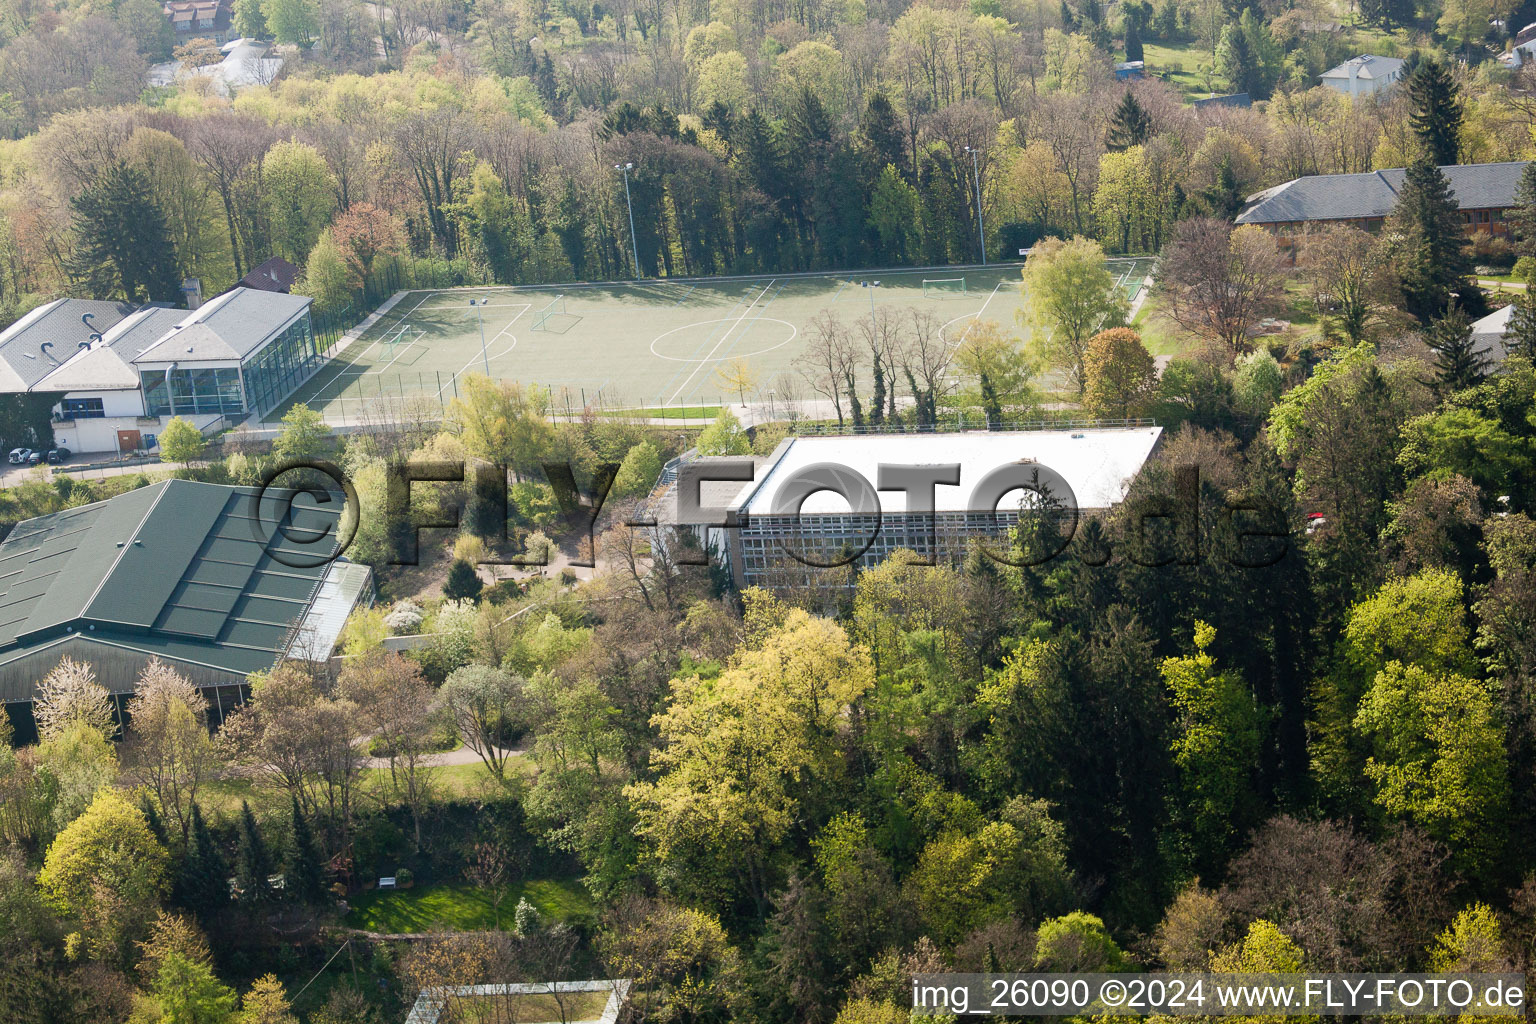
(634, 250)
(981, 229)
(871, 285)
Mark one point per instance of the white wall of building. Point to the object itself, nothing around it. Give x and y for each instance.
(1356, 84)
(98, 435)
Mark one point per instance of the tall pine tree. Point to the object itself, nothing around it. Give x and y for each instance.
(1131, 124)
(1133, 47)
(1522, 219)
(203, 883)
(306, 875)
(153, 819)
(1435, 113)
(253, 863)
(882, 140)
(1520, 335)
(1432, 261)
(1458, 363)
(123, 247)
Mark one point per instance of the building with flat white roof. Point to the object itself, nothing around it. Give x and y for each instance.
(1097, 464)
(846, 493)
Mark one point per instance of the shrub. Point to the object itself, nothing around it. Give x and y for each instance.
(463, 582)
(404, 619)
(527, 918)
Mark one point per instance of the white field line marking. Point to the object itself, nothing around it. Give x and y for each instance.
(673, 376)
(723, 337)
(488, 305)
(485, 357)
(403, 350)
(402, 323)
(975, 317)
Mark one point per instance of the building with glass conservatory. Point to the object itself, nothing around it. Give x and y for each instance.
(122, 373)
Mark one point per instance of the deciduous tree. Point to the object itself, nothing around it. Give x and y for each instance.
(168, 747)
(107, 871)
(1218, 282)
(1120, 373)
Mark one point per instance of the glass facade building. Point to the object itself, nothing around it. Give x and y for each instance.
(284, 363)
(261, 380)
(192, 390)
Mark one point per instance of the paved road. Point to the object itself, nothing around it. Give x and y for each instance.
(10, 475)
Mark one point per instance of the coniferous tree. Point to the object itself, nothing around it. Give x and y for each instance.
(306, 875)
(545, 82)
(1387, 14)
(1522, 219)
(1236, 61)
(203, 885)
(720, 119)
(463, 582)
(1458, 364)
(153, 819)
(1520, 335)
(123, 246)
(882, 139)
(1435, 113)
(1223, 197)
(253, 863)
(1133, 48)
(1433, 261)
(1131, 125)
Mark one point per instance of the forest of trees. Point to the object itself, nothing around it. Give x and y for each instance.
(1157, 750)
(478, 142)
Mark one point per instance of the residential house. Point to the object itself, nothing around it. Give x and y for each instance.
(201, 19)
(1365, 75)
(275, 275)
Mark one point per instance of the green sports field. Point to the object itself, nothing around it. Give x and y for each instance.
(649, 345)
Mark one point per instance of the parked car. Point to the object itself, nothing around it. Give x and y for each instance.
(58, 455)
(19, 455)
(33, 458)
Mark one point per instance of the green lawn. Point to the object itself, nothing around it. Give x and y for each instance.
(1181, 63)
(463, 907)
(221, 797)
(1160, 337)
(574, 1006)
(676, 412)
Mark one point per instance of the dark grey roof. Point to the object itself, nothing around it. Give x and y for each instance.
(108, 363)
(48, 336)
(275, 275)
(1237, 99)
(1374, 194)
(180, 568)
(230, 326)
(143, 330)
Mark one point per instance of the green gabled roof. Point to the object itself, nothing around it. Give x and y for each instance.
(179, 568)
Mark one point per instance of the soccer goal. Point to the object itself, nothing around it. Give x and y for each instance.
(938, 287)
(390, 343)
(541, 318)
